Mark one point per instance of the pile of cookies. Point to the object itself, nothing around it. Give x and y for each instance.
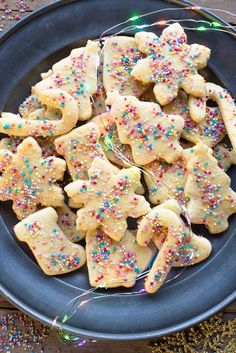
(106, 116)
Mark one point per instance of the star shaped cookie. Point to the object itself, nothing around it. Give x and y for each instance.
(28, 179)
(108, 198)
(150, 133)
(171, 63)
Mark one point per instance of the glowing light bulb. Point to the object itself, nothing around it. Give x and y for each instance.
(161, 23)
(134, 16)
(201, 28)
(65, 318)
(67, 337)
(215, 24)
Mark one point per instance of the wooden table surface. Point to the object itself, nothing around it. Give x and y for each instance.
(52, 344)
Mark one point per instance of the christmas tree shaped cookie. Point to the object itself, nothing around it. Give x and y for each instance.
(150, 133)
(212, 200)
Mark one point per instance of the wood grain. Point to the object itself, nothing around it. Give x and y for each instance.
(52, 344)
(32, 4)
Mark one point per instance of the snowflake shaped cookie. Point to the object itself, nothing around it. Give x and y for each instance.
(171, 63)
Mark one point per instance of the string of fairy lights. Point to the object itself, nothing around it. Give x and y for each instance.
(201, 26)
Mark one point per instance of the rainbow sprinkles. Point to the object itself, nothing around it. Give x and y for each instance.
(135, 105)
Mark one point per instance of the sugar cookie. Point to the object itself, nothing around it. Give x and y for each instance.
(210, 131)
(224, 156)
(67, 223)
(212, 200)
(166, 180)
(46, 143)
(77, 75)
(79, 148)
(54, 253)
(156, 218)
(150, 133)
(28, 179)
(108, 198)
(194, 248)
(115, 263)
(120, 56)
(12, 124)
(171, 63)
(226, 106)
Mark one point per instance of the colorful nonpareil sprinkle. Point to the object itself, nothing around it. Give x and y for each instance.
(150, 133)
(108, 199)
(171, 63)
(27, 178)
(112, 263)
(79, 148)
(120, 56)
(211, 130)
(18, 331)
(53, 251)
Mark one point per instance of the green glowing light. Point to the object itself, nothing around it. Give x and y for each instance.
(69, 337)
(215, 24)
(134, 17)
(201, 28)
(65, 318)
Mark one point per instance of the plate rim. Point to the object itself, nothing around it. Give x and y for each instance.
(82, 332)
